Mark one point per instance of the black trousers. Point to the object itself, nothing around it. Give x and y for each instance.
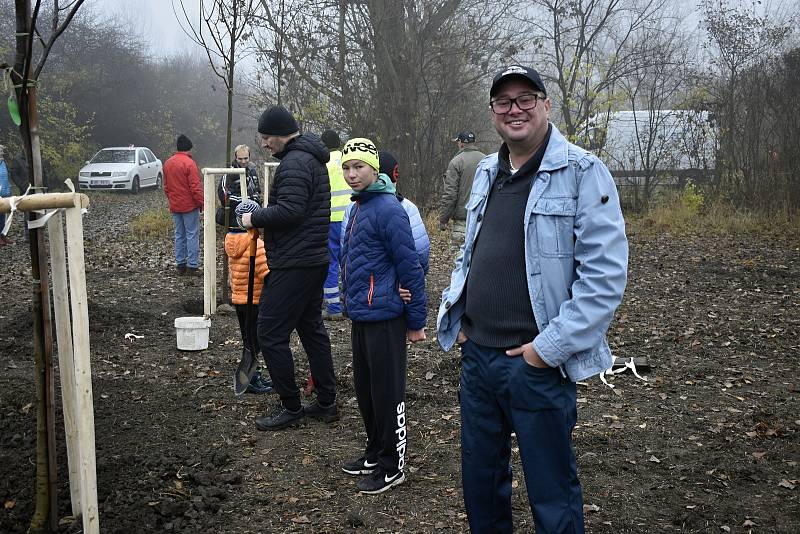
(379, 378)
(291, 299)
(252, 332)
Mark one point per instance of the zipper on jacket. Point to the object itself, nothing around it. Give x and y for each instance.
(371, 289)
(349, 237)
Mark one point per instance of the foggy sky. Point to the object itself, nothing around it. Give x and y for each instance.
(153, 20)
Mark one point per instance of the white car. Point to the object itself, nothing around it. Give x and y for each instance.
(126, 168)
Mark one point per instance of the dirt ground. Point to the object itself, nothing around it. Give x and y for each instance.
(708, 443)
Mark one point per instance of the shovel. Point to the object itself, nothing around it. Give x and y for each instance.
(249, 363)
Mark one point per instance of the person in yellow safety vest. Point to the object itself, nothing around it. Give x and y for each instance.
(340, 199)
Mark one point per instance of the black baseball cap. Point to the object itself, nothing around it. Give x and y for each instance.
(465, 137)
(517, 71)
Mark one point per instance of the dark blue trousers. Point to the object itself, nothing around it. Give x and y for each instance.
(500, 395)
(331, 288)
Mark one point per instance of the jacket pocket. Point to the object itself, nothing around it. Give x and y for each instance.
(555, 225)
(474, 202)
(371, 289)
(473, 208)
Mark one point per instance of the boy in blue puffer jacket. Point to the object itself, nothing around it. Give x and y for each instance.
(377, 258)
(390, 167)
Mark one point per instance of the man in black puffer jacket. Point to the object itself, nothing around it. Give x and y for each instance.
(295, 223)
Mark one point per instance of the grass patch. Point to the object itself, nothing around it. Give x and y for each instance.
(156, 222)
(431, 222)
(688, 212)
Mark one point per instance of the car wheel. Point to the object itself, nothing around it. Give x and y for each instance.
(159, 181)
(135, 185)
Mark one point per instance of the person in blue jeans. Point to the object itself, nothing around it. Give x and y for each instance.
(185, 195)
(536, 283)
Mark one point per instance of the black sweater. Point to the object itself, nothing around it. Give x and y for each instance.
(498, 310)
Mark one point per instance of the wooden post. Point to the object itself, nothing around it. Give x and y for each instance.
(210, 236)
(209, 248)
(83, 371)
(44, 201)
(58, 266)
(269, 166)
(243, 186)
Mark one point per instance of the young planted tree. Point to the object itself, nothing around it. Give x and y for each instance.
(222, 31)
(33, 45)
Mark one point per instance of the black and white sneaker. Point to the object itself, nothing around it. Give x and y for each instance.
(359, 467)
(380, 481)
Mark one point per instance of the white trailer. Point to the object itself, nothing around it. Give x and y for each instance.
(668, 143)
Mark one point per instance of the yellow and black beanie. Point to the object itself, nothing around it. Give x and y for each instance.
(361, 149)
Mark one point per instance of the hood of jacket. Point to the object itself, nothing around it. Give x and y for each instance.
(383, 185)
(238, 247)
(307, 142)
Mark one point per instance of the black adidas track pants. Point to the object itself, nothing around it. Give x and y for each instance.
(379, 378)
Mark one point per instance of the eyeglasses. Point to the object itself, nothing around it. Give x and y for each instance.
(523, 102)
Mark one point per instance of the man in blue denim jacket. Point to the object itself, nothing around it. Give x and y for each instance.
(541, 272)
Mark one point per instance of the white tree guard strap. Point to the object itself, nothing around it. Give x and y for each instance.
(42, 221)
(14, 201)
(628, 365)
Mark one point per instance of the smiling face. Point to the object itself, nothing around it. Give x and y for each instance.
(358, 174)
(521, 129)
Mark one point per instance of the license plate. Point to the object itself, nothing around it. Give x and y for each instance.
(101, 182)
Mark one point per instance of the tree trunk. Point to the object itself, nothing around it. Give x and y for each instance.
(46, 513)
(397, 82)
(228, 137)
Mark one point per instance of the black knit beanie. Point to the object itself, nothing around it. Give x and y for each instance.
(331, 139)
(277, 121)
(389, 165)
(184, 143)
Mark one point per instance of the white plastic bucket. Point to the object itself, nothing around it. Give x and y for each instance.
(192, 332)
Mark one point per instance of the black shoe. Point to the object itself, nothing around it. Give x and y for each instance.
(326, 414)
(280, 418)
(380, 481)
(181, 268)
(259, 385)
(193, 271)
(359, 467)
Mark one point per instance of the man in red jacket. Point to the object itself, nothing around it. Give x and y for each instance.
(185, 194)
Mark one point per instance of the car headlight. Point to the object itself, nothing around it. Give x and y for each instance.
(84, 174)
(119, 173)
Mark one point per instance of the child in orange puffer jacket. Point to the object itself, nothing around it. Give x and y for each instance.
(237, 246)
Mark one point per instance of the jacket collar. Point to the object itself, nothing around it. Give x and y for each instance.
(555, 156)
(556, 153)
